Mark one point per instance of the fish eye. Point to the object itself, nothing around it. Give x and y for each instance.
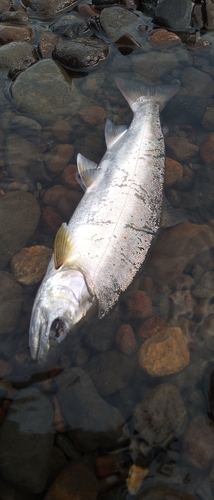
(57, 330)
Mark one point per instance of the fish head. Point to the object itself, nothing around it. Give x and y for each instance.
(62, 301)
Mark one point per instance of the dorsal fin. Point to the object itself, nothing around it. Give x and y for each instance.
(63, 247)
(87, 170)
(113, 132)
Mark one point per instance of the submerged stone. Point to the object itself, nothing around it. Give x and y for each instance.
(173, 14)
(17, 55)
(116, 21)
(48, 8)
(10, 303)
(81, 53)
(76, 481)
(70, 25)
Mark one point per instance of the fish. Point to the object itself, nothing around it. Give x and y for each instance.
(99, 252)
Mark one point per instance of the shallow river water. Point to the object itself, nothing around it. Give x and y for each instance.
(125, 407)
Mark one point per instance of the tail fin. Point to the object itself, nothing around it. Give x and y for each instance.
(133, 89)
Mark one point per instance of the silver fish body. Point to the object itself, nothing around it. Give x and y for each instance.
(113, 226)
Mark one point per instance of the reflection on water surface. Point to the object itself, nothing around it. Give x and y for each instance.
(125, 408)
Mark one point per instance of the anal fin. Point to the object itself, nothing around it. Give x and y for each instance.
(87, 170)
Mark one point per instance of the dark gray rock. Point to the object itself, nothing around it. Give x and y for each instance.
(48, 8)
(27, 127)
(71, 25)
(26, 441)
(163, 492)
(21, 155)
(19, 216)
(116, 21)
(161, 416)
(205, 289)
(110, 371)
(81, 53)
(185, 110)
(93, 422)
(10, 302)
(17, 56)
(173, 14)
(45, 91)
(102, 334)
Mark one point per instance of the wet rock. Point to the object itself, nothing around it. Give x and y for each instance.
(47, 44)
(68, 203)
(174, 171)
(198, 444)
(51, 220)
(139, 305)
(58, 158)
(175, 248)
(58, 462)
(153, 65)
(17, 56)
(209, 14)
(197, 82)
(185, 109)
(70, 25)
(125, 340)
(26, 441)
(10, 303)
(161, 416)
(29, 265)
(174, 15)
(114, 21)
(110, 371)
(207, 150)
(204, 289)
(10, 33)
(102, 335)
(21, 156)
(60, 130)
(164, 38)
(4, 4)
(208, 120)
(164, 493)
(27, 127)
(206, 328)
(81, 52)
(53, 195)
(75, 481)
(18, 15)
(165, 353)
(91, 146)
(47, 8)
(93, 422)
(106, 465)
(93, 115)
(20, 215)
(183, 303)
(5, 368)
(150, 327)
(135, 478)
(69, 177)
(181, 149)
(45, 91)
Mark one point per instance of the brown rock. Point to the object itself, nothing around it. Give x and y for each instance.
(197, 82)
(69, 177)
(53, 195)
(30, 264)
(61, 131)
(125, 340)
(150, 327)
(47, 44)
(68, 203)
(51, 220)
(4, 4)
(93, 115)
(208, 119)
(58, 158)
(136, 476)
(198, 442)
(163, 37)
(174, 171)
(110, 372)
(165, 353)
(5, 368)
(164, 493)
(181, 149)
(87, 10)
(146, 283)
(139, 305)
(207, 150)
(76, 481)
(106, 465)
(161, 416)
(14, 33)
(175, 247)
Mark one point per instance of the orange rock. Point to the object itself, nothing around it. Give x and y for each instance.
(58, 158)
(30, 264)
(139, 305)
(106, 465)
(5, 368)
(136, 476)
(150, 327)
(174, 171)
(164, 37)
(165, 353)
(51, 220)
(15, 33)
(69, 177)
(53, 195)
(93, 115)
(207, 150)
(125, 340)
(61, 131)
(47, 44)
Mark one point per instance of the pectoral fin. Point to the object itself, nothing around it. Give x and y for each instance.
(64, 250)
